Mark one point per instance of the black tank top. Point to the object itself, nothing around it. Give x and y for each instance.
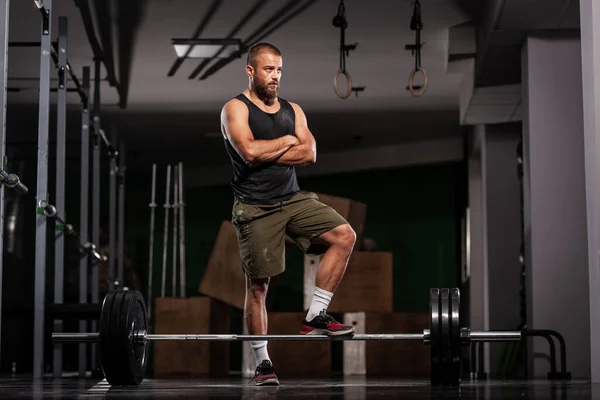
(268, 183)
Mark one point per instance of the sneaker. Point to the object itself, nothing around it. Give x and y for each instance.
(324, 324)
(265, 374)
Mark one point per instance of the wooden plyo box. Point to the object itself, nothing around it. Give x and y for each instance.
(367, 284)
(353, 211)
(398, 358)
(224, 278)
(195, 315)
(291, 358)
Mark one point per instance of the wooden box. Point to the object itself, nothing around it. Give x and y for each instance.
(367, 284)
(195, 315)
(291, 358)
(353, 211)
(224, 278)
(397, 358)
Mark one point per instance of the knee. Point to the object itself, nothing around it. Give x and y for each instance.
(346, 237)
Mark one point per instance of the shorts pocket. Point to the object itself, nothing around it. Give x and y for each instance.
(243, 213)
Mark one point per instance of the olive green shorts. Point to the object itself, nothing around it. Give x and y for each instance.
(262, 230)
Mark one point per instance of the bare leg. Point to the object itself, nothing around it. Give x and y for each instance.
(255, 310)
(255, 317)
(333, 263)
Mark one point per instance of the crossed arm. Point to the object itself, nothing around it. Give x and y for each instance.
(286, 150)
(305, 152)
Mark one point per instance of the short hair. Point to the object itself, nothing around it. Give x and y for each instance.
(258, 48)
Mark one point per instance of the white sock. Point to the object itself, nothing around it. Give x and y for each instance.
(260, 351)
(320, 302)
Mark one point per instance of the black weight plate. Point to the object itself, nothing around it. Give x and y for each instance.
(434, 336)
(137, 321)
(109, 358)
(123, 361)
(445, 344)
(455, 340)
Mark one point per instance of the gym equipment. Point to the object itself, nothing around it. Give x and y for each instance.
(51, 213)
(166, 233)
(416, 24)
(152, 206)
(4, 28)
(12, 181)
(123, 337)
(181, 206)
(339, 21)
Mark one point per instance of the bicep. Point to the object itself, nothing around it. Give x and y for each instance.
(234, 120)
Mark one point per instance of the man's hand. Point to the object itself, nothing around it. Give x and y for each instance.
(305, 152)
(234, 124)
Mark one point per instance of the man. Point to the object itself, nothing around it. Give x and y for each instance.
(266, 137)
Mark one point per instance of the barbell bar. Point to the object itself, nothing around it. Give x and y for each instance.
(123, 337)
(141, 337)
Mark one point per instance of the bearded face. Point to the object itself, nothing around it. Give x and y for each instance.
(265, 76)
(266, 89)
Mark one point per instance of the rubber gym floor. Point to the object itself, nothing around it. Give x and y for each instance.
(356, 388)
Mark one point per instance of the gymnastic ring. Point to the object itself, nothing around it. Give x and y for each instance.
(335, 84)
(411, 79)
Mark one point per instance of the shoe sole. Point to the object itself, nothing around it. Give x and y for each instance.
(330, 333)
(269, 381)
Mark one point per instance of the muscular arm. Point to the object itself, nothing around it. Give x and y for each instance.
(305, 152)
(234, 123)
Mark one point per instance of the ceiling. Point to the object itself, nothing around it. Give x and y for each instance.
(174, 118)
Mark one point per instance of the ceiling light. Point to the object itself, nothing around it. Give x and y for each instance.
(207, 48)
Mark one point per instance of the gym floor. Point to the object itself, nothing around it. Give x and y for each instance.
(343, 388)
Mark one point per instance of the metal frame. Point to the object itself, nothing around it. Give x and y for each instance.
(121, 215)
(4, 25)
(42, 190)
(84, 262)
(112, 223)
(96, 196)
(59, 237)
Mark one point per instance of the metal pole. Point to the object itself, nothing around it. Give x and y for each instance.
(4, 24)
(42, 192)
(59, 203)
(141, 336)
(485, 336)
(193, 337)
(96, 198)
(182, 271)
(491, 336)
(175, 225)
(112, 222)
(152, 206)
(84, 212)
(166, 233)
(121, 215)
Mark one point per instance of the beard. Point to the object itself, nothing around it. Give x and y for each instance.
(265, 92)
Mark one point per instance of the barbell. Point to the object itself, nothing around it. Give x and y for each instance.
(123, 337)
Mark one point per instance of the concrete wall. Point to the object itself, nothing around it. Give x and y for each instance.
(555, 203)
(478, 306)
(590, 60)
(503, 231)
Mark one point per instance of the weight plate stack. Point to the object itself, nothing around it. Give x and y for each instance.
(123, 360)
(434, 333)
